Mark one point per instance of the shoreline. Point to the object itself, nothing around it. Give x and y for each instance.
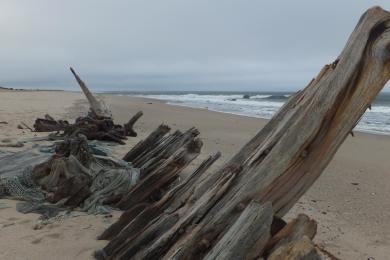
(230, 113)
(113, 93)
(350, 201)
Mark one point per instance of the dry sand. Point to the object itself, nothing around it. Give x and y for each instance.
(350, 200)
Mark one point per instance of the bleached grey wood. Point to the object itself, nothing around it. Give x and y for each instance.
(97, 106)
(247, 237)
(284, 159)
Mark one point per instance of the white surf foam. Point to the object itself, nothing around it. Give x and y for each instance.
(375, 121)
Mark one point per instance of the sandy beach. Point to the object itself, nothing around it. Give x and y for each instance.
(350, 201)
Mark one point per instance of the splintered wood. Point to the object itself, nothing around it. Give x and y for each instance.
(97, 125)
(231, 213)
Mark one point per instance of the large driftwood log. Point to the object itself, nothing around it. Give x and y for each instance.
(98, 107)
(280, 163)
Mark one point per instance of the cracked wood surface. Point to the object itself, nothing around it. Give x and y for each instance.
(284, 159)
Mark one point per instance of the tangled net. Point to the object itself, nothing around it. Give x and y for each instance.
(78, 175)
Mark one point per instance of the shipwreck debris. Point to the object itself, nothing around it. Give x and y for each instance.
(236, 211)
(82, 175)
(97, 106)
(201, 220)
(97, 125)
(25, 126)
(49, 124)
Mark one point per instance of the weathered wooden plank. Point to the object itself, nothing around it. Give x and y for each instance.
(247, 237)
(304, 137)
(301, 249)
(284, 159)
(130, 224)
(148, 144)
(164, 175)
(294, 230)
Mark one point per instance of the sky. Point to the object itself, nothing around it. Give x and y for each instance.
(154, 45)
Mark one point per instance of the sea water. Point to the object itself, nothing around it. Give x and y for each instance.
(265, 105)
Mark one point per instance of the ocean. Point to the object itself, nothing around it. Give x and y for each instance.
(264, 105)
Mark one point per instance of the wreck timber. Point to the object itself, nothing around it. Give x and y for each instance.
(276, 167)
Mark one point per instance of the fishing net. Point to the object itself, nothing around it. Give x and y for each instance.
(15, 187)
(81, 176)
(20, 185)
(108, 183)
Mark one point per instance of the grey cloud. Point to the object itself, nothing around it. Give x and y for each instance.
(173, 44)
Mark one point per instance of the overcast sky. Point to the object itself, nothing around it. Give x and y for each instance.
(172, 44)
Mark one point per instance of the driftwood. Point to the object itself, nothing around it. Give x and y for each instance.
(49, 124)
(276, 166)
(97, 106)
(156, 208)
(298, 250)
(92, 127)
(236, 244)
(67, 174)
(164, 168)
(150, 187)
(97, 125)
(157, 148)
(24, 125)
(293, 231)
(145, 146)
(128, 129)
